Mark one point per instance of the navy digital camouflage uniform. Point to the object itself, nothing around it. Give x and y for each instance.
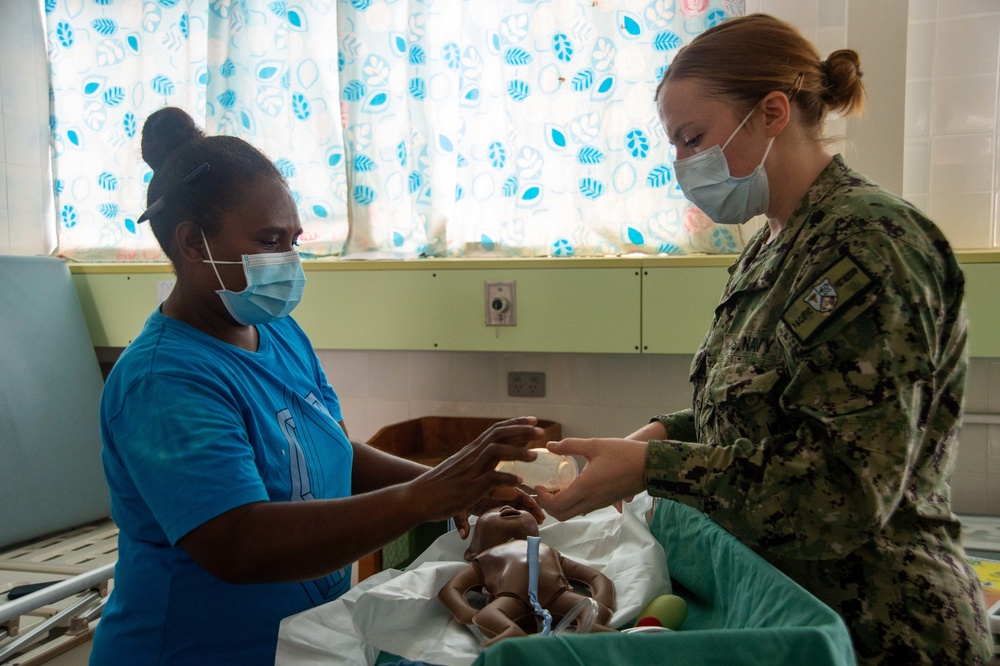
(828, 394)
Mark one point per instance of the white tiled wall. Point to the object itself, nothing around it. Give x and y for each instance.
(591, 395)
(951, 160)
(976, 484)
(26, 210)
(951, 170)
(951, 152)
(596, 395)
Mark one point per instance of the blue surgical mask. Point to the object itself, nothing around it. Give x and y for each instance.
(275, 281)
(706, 182)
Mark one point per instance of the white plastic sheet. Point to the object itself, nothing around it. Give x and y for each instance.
(398, 612)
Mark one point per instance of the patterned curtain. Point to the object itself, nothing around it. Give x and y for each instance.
(425, 128)
(249, 68)
(516, 127)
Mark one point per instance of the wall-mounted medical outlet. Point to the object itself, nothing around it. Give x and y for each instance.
(526, 384)
(500, 303)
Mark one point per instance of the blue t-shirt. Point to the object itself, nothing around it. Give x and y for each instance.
(194, 427)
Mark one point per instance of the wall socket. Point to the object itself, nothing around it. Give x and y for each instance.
(526, 384)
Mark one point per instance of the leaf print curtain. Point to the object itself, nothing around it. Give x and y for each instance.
(516, 127)
(249, 68)
(406, 128)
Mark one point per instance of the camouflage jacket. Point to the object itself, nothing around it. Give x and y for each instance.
(827, 400)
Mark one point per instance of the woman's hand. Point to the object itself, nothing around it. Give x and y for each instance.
(615, 469)
(650, 431)
(469, 477)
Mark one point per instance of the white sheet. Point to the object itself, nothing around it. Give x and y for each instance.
(398, 612)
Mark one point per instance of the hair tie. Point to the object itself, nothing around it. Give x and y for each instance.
(825, 69)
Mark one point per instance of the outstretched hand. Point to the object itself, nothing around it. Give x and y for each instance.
(468, 480)
(615, 470)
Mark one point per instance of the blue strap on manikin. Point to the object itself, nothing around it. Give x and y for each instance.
(546, 616)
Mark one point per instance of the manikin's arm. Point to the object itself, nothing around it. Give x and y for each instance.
(452, 595)
(602, 589)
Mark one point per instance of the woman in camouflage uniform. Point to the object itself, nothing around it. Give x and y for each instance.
(828, 391)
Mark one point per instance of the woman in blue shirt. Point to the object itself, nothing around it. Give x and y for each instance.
(239, 496)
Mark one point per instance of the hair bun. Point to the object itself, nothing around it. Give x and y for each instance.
(164, 132)
(842, 78)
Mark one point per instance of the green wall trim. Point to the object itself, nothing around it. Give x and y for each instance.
(618, 305)
(678, 305)
(982, 302)
(312, 265)
(557, 310)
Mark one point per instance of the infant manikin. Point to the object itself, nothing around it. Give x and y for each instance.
(498, 557)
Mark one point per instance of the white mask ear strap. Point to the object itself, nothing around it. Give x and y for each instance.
(210, 260)
(739, 127)
(767, 150)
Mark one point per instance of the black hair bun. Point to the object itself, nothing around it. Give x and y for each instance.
(164, 132)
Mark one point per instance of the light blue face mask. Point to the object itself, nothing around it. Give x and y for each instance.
(706, 182)
(275, 281)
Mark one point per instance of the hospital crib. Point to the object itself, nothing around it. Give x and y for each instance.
(58, 546)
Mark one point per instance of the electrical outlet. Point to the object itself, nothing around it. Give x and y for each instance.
(500, 303)
(526, 384)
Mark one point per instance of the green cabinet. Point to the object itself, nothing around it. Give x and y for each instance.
(654, 305)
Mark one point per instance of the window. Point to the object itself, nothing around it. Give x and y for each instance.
(458, 128)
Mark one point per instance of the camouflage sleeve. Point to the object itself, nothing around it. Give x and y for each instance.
(679, 425)
(854, 406)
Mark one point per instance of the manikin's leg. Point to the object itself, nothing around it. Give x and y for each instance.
(499, 618)
(563, 604)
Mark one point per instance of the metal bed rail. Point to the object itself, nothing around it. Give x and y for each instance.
(80, 613)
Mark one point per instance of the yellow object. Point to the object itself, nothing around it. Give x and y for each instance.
(988, 572)
(669, 609)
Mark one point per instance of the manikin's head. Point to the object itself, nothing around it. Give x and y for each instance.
(498, 526)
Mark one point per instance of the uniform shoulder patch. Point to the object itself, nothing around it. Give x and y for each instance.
(838, 286)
